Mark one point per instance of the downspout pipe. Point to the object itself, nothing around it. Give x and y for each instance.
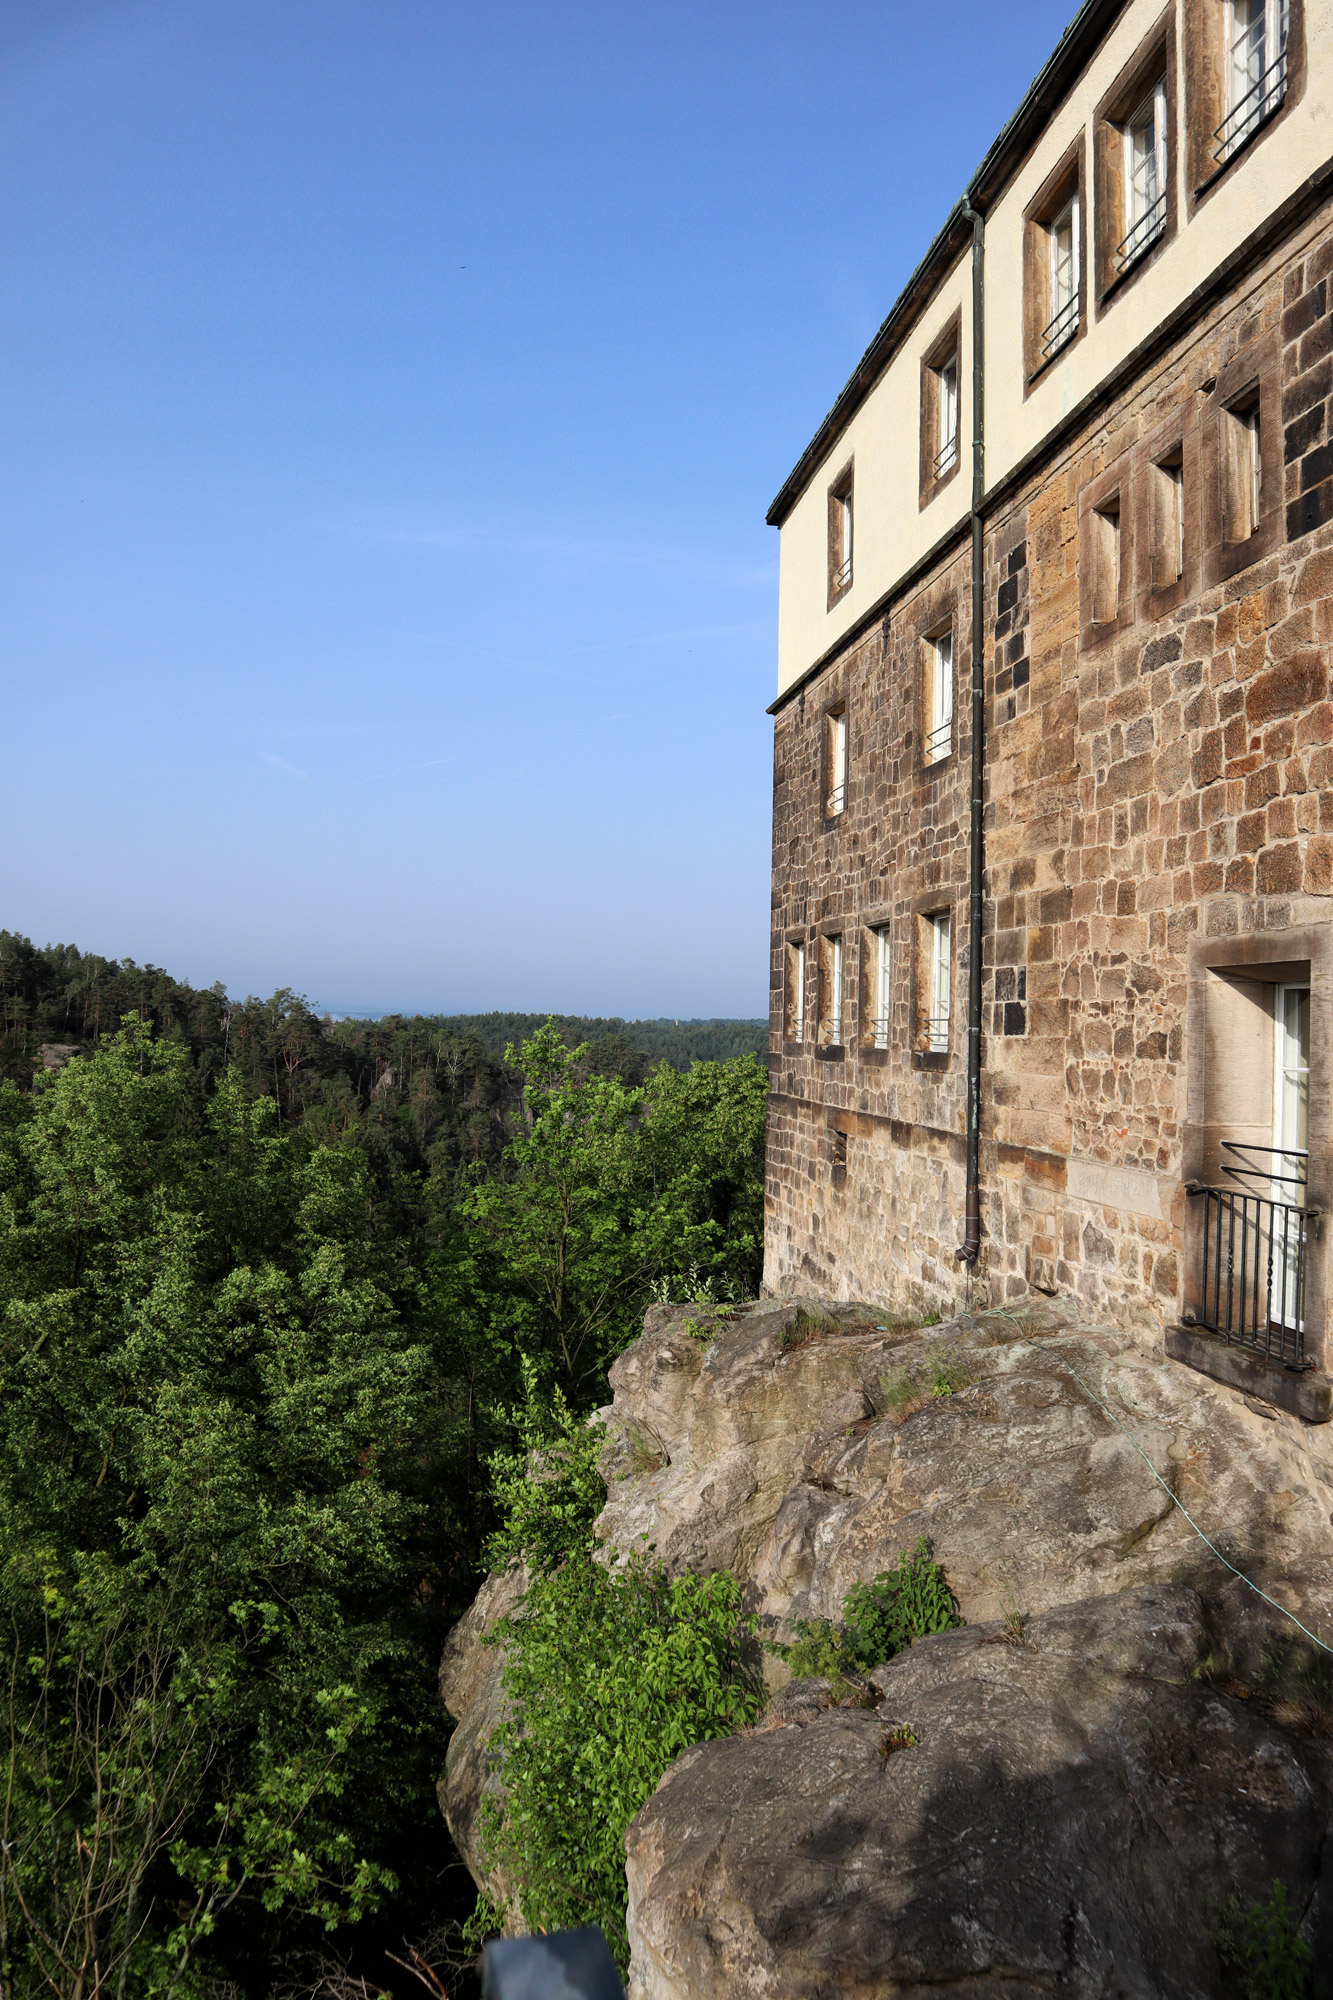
(970, 1246)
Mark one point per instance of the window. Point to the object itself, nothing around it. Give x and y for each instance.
(793, 997)
(1242, 472)
(935, 1035)
(880, 998)
(1106, 560)
(840, 538)
(830, 992)
(947, 455)
(938, 733)
(835, 762)
(941, 382)
(1168, 520)
(1145, 177)
(1062, 264)
(1255, 70)
(1054, 263)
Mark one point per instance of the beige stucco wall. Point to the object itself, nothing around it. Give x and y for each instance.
(892, 531)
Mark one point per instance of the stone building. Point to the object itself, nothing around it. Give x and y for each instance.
(1053, 766)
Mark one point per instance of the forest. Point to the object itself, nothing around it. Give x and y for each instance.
(287, 1306)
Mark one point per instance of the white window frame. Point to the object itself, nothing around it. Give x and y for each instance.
(939, 734)
(1062, 278)
(837, 792)
(835, 994)
(883, 989)
(1291, 1158)
(937, 1022)
(842, 576)
(947, 455)
(1256, 69)
(1145, 179)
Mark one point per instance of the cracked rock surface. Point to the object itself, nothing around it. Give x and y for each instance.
(1075, 1811)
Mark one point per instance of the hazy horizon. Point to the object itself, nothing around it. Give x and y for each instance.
(392, 398)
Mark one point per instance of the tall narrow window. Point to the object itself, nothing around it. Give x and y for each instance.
(1145, 177)
(1291, 1142)
(939, 699)
(1168, 522)
(946, 457)
(937, 983)
(1256, 70)
(880, 988)
(830, 991)
(835, 764)
(793, 1009)
(1106, 561)
(1062, 267)
(840, 537)
(1242, 472)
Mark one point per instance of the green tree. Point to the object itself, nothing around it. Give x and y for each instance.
(216, 1423)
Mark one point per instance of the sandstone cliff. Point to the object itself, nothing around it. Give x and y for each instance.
(1061, 1796)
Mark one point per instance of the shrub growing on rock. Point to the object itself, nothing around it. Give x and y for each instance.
(610, 1676)
(878, 1620)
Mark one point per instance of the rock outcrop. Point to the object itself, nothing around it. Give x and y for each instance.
(1092, 1775)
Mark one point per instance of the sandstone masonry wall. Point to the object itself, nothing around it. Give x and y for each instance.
(1159, 790)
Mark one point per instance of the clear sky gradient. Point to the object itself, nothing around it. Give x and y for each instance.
(391, 392)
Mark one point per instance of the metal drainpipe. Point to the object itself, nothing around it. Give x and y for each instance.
(971, 1243)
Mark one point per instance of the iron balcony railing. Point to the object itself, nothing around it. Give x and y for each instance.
(1142, 236)
(1260, 101)
(946, 457)
(1062, 326)
(842, 575)
(835, 802)
(937, 1034)
(879, 1031)
(939, 740)
(1254, 1253)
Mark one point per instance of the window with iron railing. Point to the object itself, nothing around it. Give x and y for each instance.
(1145, 182)
(880, 991)
(1256, 71)
(947, 455)
(936, 1036)
(835, 764)
(840, 538)
(1062, 241)
(939, 703)
(830, 991)
(793, 1008)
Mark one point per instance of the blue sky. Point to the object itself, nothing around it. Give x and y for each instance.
(391, 392)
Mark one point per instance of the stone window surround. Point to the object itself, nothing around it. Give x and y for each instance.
(947, 345)
(1175, 438)
(841, 509)
(1066, 178)
(1154, 61)
(1264, 955)
(834, 704)
(821, 935)
(1115, 483)
(1205, 93)
(935, 612)
(791, 939)
(878, 917)
(931, 903)
(1254, 373)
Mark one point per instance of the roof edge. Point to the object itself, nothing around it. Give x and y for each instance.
(1043, 96)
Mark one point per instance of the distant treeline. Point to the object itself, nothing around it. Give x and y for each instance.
(420, 1093)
